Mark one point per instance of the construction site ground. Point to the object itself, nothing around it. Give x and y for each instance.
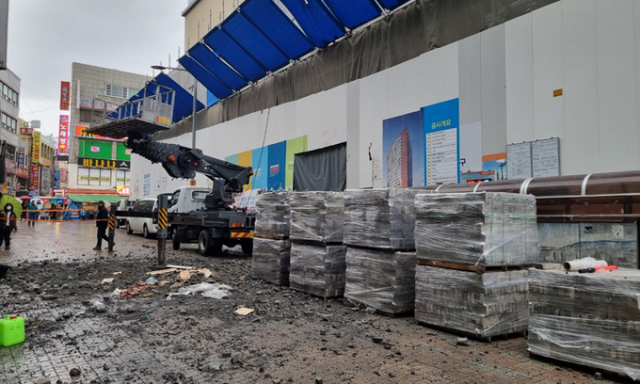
(78, 332)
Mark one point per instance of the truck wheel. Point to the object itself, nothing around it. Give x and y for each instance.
(145, 232)
(128, 228)
(247, 247)
(175, 240)
(204, 242)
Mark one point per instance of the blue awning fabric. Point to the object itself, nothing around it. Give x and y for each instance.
(259, 38)
(183, 102)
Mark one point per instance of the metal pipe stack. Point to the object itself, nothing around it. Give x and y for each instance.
(379, 226)
(271, 247)
(317, 253)
(465, 244)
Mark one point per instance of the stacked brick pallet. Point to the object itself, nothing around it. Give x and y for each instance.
(317, 253)
(271, 247)
(591, 319)
(379, 226)
(465, 243)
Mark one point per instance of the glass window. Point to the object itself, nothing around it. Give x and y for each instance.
(83, 176)
(174, 198)
(199, 195)
(123, 177)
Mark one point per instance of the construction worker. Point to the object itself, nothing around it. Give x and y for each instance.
(102, 221)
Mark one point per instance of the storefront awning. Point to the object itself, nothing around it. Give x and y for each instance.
(90, 198)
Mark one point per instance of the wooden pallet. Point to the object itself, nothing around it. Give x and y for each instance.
(472, 336)
(268, 237)
(382, 249)
(469, 267)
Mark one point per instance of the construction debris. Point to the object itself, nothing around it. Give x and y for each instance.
(380, 218)
(591, 319)
(381, 280)
(244, 311)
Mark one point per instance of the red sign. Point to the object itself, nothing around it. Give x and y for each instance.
(123, 190)
(26, 130)
(10, 166)
(35, 178)
(65, 95)
(22, 172)
(63, 135)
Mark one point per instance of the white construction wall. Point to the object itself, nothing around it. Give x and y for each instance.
(504, 78)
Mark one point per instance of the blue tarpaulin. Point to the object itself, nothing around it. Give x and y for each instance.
(205, 77)
(234, 54)
(316, 21)
(214, 65)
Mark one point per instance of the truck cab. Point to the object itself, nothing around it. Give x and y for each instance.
(187, 199)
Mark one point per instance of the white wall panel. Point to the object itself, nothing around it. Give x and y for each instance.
(636, 28)
(617, 84)
(580, 148)
(494, 96)
(519, 79)
(547, 72)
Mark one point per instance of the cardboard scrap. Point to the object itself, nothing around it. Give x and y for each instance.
(107, 281)
(162, 272)
(206, 272)
(163, 283)
(243, 311)
(117, 273)
(185, 275)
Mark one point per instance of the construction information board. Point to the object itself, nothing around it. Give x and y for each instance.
(519, 161)
(545, 155)
(442, 157)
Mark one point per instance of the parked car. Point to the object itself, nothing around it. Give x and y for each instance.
(143, 218)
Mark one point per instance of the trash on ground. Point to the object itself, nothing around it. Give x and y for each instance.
(185, 275)
(107, 281)
(215, 291)
(243, 311)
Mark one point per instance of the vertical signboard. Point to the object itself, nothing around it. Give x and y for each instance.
(519, 160)
(35, 151)
(442, 142)
(65, 92)
(63, 135)
(260, 160)
(276, 166)
(35, 177)
(22, 161)
(545, 157)
(4, 31)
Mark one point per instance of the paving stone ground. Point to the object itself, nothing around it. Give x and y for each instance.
(290, 337)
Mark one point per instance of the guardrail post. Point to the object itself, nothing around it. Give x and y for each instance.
(112, 226)
(163, 202)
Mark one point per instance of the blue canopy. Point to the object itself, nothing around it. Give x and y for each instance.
(205, 77)
(316, 20)
(234, 54)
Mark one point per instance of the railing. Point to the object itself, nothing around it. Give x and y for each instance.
(156, 108)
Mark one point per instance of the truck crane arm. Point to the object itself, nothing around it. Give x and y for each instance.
(183, 162)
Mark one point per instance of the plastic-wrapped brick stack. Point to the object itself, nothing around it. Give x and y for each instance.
(592, 319)
(317, 253)
(271, 247)
(480, 304)
(463, 241)
(379, 224)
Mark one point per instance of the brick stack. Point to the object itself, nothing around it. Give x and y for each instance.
(317, 253)
(379, 226)
(592, 319)
(464, 244)
(271, 247)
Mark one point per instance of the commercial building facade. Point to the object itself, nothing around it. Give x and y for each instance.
(95, 163)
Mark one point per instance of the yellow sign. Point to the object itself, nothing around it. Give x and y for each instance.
(36, 147)
(93, 178)
(557, 92)
(163, 120)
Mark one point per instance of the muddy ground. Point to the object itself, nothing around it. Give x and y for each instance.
(74, 323)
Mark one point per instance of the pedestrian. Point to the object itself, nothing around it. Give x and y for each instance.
(33, 213)
(8, 224)
(25, 204)
(101, 223)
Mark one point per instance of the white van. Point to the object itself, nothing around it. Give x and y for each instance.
(142, 218)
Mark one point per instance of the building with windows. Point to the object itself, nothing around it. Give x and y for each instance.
(97, 164)
(9, 107)
(201, 16)
(399, 162)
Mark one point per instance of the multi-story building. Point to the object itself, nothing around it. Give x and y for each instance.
(201, 16)
(9, 116)
(98, 164)
(400, 162)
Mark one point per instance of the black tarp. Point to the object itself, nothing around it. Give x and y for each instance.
(324, 169)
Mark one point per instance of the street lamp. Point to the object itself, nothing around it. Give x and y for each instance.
(195, 100)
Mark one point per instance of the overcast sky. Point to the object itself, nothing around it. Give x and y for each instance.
(46, 36)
